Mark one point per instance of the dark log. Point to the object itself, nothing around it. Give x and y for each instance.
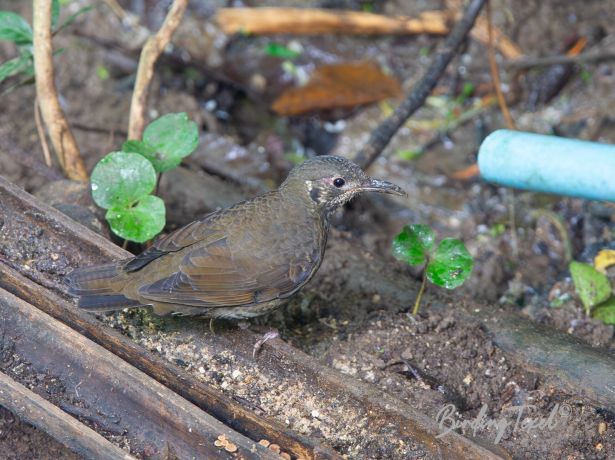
(562, 360)
(39, 412)
(207, 398)
(154, 419)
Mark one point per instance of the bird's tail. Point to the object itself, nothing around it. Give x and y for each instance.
(99, 288)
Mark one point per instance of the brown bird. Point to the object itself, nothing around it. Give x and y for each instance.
(239, 262)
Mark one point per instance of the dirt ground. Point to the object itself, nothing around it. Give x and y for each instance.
(431, 361)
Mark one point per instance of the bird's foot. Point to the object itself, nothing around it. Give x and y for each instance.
(267, 336)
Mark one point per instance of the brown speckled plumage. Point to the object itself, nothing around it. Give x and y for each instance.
(238, 262)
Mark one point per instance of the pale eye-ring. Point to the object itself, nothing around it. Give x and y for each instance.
(339, 182)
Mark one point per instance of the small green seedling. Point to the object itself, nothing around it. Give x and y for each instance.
(122, 182)
(14, 28)
(595, 291)
(448, 266)
(281, 51)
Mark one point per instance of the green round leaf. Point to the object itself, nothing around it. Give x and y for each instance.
(122, 178)
(142, 148)
(450, 265)
(14, 28)
(140, 222)
(172, 137)
(592, 286)
(605, 312)
(413, 244)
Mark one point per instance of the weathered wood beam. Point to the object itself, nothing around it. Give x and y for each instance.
(157, 421)
(207, 398)
(30, 407)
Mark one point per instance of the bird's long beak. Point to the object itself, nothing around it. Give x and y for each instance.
(376, 185)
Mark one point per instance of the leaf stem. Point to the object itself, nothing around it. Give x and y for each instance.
(158, 179)
(417, 303)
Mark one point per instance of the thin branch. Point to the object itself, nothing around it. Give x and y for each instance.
(60, 134)
(41, 133)
(383, 134)
(316, 21)
(154, 46)
(495, 74)
(526, 63)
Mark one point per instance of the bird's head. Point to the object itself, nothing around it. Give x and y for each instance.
(331, 181)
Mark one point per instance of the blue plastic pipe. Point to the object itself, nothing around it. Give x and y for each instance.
(549, 164)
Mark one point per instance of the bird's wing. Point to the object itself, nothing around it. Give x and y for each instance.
(212, 276)
(181, 238)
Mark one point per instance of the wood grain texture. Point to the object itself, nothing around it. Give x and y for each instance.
(155, 419)
(39, 412)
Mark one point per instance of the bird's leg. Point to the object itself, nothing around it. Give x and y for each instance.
(267, 336)
(211, 326)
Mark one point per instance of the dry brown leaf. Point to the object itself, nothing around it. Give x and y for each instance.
(338, 86)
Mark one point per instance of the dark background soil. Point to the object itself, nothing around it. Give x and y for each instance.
(367, 335)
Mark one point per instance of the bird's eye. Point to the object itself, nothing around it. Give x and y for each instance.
(339, 182)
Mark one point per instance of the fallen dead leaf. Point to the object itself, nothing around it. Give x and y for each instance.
(338, 86)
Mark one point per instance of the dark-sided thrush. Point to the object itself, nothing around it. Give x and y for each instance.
(238, 262)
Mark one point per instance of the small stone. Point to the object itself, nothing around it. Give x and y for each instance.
(468, 379)
(599, 446)
(376, 298)
(601, 428)
(264, 443)
(315, 413)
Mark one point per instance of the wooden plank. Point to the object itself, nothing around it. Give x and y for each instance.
(39, 412)
(154, 419)
(207, 398)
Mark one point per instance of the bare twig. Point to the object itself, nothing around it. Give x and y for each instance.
(116, 8)
(98, 129)
(382, 135)
(316, 21)
(495, 74)
(41, 133)
(526, 63)
(510, 124)
(154, 46)
(504, 45)
(60, 134)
